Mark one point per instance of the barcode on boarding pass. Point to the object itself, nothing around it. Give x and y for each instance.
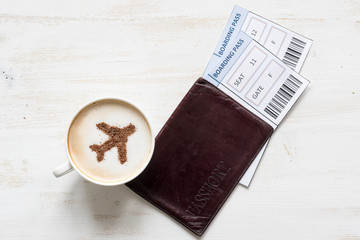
(293, 52)
(283, 96)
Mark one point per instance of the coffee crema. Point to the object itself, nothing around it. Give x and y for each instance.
(84, 133)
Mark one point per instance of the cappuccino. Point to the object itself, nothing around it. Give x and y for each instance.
(110, 141)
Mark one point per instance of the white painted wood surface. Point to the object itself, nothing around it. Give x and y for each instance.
(57, 55)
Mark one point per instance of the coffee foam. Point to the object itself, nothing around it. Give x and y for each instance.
(83, 133)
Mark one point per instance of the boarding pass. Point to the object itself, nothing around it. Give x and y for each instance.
(258, 80)
(290, 47)
(287, 45)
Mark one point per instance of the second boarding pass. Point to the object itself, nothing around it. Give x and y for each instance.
(256, 62)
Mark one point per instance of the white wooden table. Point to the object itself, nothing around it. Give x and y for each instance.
(57, 55)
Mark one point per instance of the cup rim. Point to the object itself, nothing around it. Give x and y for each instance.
(71, 161)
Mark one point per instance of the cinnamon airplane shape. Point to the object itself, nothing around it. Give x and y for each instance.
(118, 138)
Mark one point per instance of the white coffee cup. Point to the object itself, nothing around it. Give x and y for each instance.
(70, 165)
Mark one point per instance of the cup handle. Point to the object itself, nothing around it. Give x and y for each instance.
(63, 169)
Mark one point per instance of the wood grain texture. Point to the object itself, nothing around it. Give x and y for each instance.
(57, 55)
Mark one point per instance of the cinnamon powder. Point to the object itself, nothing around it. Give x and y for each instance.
(118, 137)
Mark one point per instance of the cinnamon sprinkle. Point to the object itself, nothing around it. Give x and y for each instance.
(118, 138)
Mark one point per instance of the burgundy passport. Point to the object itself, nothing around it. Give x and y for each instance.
(200, 155)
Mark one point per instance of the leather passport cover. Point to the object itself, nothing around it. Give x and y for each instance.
(200, 155)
